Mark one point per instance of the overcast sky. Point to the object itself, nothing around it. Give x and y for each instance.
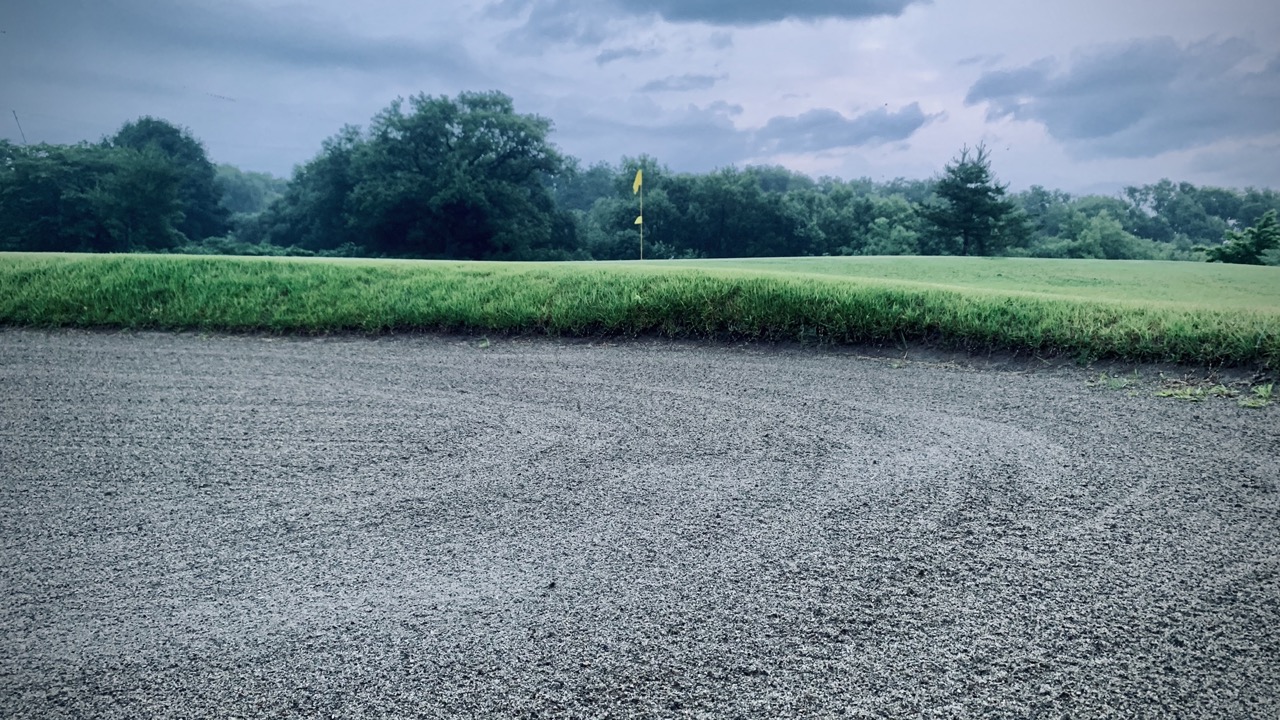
(1081, 95)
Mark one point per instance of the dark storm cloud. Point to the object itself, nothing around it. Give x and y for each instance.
(587, 22)
(230, 31)
(254, 83)
(823, 129)
(1142, 98)
(682, 83)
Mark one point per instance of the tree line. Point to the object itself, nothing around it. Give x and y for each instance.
(471, 178)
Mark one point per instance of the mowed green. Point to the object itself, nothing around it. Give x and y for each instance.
(1164, 311)
(1202, 285)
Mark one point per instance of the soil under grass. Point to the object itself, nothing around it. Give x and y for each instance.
(1168, 312)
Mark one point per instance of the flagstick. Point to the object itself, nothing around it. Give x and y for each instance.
(641, 221)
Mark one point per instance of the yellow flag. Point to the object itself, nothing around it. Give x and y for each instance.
(639, 220)
(635, 186)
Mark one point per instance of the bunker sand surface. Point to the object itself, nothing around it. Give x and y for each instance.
(421, 526)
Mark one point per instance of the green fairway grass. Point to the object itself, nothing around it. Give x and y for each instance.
(1204, 285)
(1180, 312)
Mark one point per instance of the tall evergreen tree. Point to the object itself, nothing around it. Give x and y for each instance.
(972, 215)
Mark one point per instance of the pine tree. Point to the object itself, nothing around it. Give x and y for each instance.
(972, 215)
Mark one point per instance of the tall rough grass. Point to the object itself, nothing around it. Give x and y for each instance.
(318, 296)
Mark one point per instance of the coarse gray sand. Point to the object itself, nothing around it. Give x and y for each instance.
(424, 526)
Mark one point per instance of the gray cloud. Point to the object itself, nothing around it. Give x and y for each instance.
(1255, 164)
(625, 53)
(1003, 87)
(756, 12)
(700, 139)
(705, 138)
(1140, 99)
(825, 129)
(228, 29)
(983, 60)
(587, 22)
(721, 40)
(77, 69)
(682, 83)
(558, 21)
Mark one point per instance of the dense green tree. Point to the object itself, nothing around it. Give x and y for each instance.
(44, 194)
(202, 212)
(468, 177)
(853, 221)
(578, 189)
(777, 179)
(86, 198)
(609, 229)
(738, 222)
(808, 206)
(613, 235)
(913, 191)
(751, 212)
(313, 212)
(1254, 203)
(1250, 246)
(1093, 205)
(139, 203)
(247, 193)
(972, 215)
(1105, 237)
(843, 212)
(1168, 212)
(728, 213)
(431, 177)
(894, 229)
(1050, 213)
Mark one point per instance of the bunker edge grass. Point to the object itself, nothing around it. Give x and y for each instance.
(290, 295)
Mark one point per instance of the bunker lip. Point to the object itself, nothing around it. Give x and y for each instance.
(1230, 319)
(436, 526)
(910, 352)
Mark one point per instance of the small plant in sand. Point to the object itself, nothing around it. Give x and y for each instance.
(1114, 382)
(1259, 396)
(1195, 391)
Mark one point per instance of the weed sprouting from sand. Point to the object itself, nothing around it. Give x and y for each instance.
(1259, 396)
(1110, 381)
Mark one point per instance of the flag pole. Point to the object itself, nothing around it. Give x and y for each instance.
(637, 186)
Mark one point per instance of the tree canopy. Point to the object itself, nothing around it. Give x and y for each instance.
(247, 193)
(1251, 246)
(202, 212)
(972, 215)
(86, 198)
(469, 177)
